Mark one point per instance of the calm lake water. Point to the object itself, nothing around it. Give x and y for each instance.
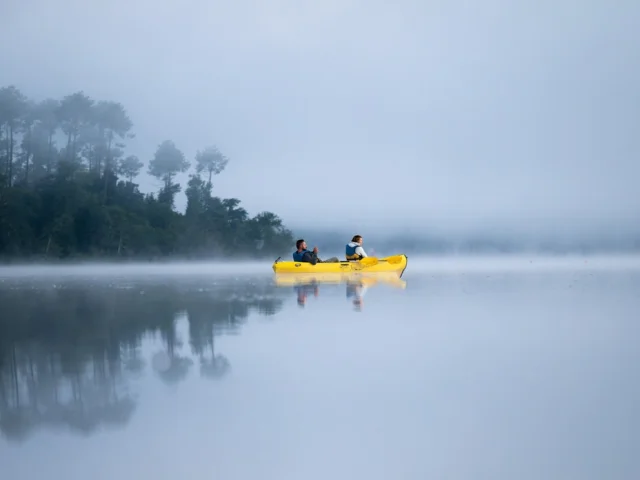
(512, 368)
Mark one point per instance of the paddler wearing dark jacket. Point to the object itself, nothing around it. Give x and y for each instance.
(307, 256)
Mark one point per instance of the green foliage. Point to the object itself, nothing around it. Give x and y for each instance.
(130, 167)
(211, 160)
(70, 201)
(167, 162)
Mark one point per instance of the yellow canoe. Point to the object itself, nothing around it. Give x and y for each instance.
(395, 264)
(336, 278)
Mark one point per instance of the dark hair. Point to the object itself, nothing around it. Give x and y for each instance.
(299, 242)
(356, 238)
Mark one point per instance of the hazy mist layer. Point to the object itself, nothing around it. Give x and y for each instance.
(417, 265)
(362, 114)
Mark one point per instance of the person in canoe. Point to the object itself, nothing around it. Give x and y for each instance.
(354, 250)
(309, 256)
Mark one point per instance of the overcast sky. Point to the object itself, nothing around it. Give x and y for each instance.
(363, 113)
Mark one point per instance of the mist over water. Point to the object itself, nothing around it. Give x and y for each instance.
(138, 270)
(467, 367)
(419, 265)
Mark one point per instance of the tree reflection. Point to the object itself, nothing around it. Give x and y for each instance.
(68, 353)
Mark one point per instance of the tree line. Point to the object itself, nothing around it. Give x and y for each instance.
(67, 190)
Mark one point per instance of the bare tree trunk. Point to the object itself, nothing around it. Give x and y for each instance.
(49, 159)
(107, 166)
(10, 159)
(74, 146)
(69, 146)
(8, 148)
(27, 155)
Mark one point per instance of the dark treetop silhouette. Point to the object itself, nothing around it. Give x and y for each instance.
(66, 190)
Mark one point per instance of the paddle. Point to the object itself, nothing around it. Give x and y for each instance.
(368, 262)
(393, 259)
(371, 261)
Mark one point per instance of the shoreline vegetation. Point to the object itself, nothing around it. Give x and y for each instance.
(67, 191)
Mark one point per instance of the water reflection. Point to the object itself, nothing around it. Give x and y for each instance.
(356, 284)
(68, 352)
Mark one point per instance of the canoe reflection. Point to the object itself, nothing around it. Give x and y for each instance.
(356, 284)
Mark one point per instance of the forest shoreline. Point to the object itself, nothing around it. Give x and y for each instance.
(68, 191)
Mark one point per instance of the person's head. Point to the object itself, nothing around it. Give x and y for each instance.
(357, 239)
(301, 245)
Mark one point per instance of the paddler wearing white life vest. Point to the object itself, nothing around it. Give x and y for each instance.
(354, 250)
